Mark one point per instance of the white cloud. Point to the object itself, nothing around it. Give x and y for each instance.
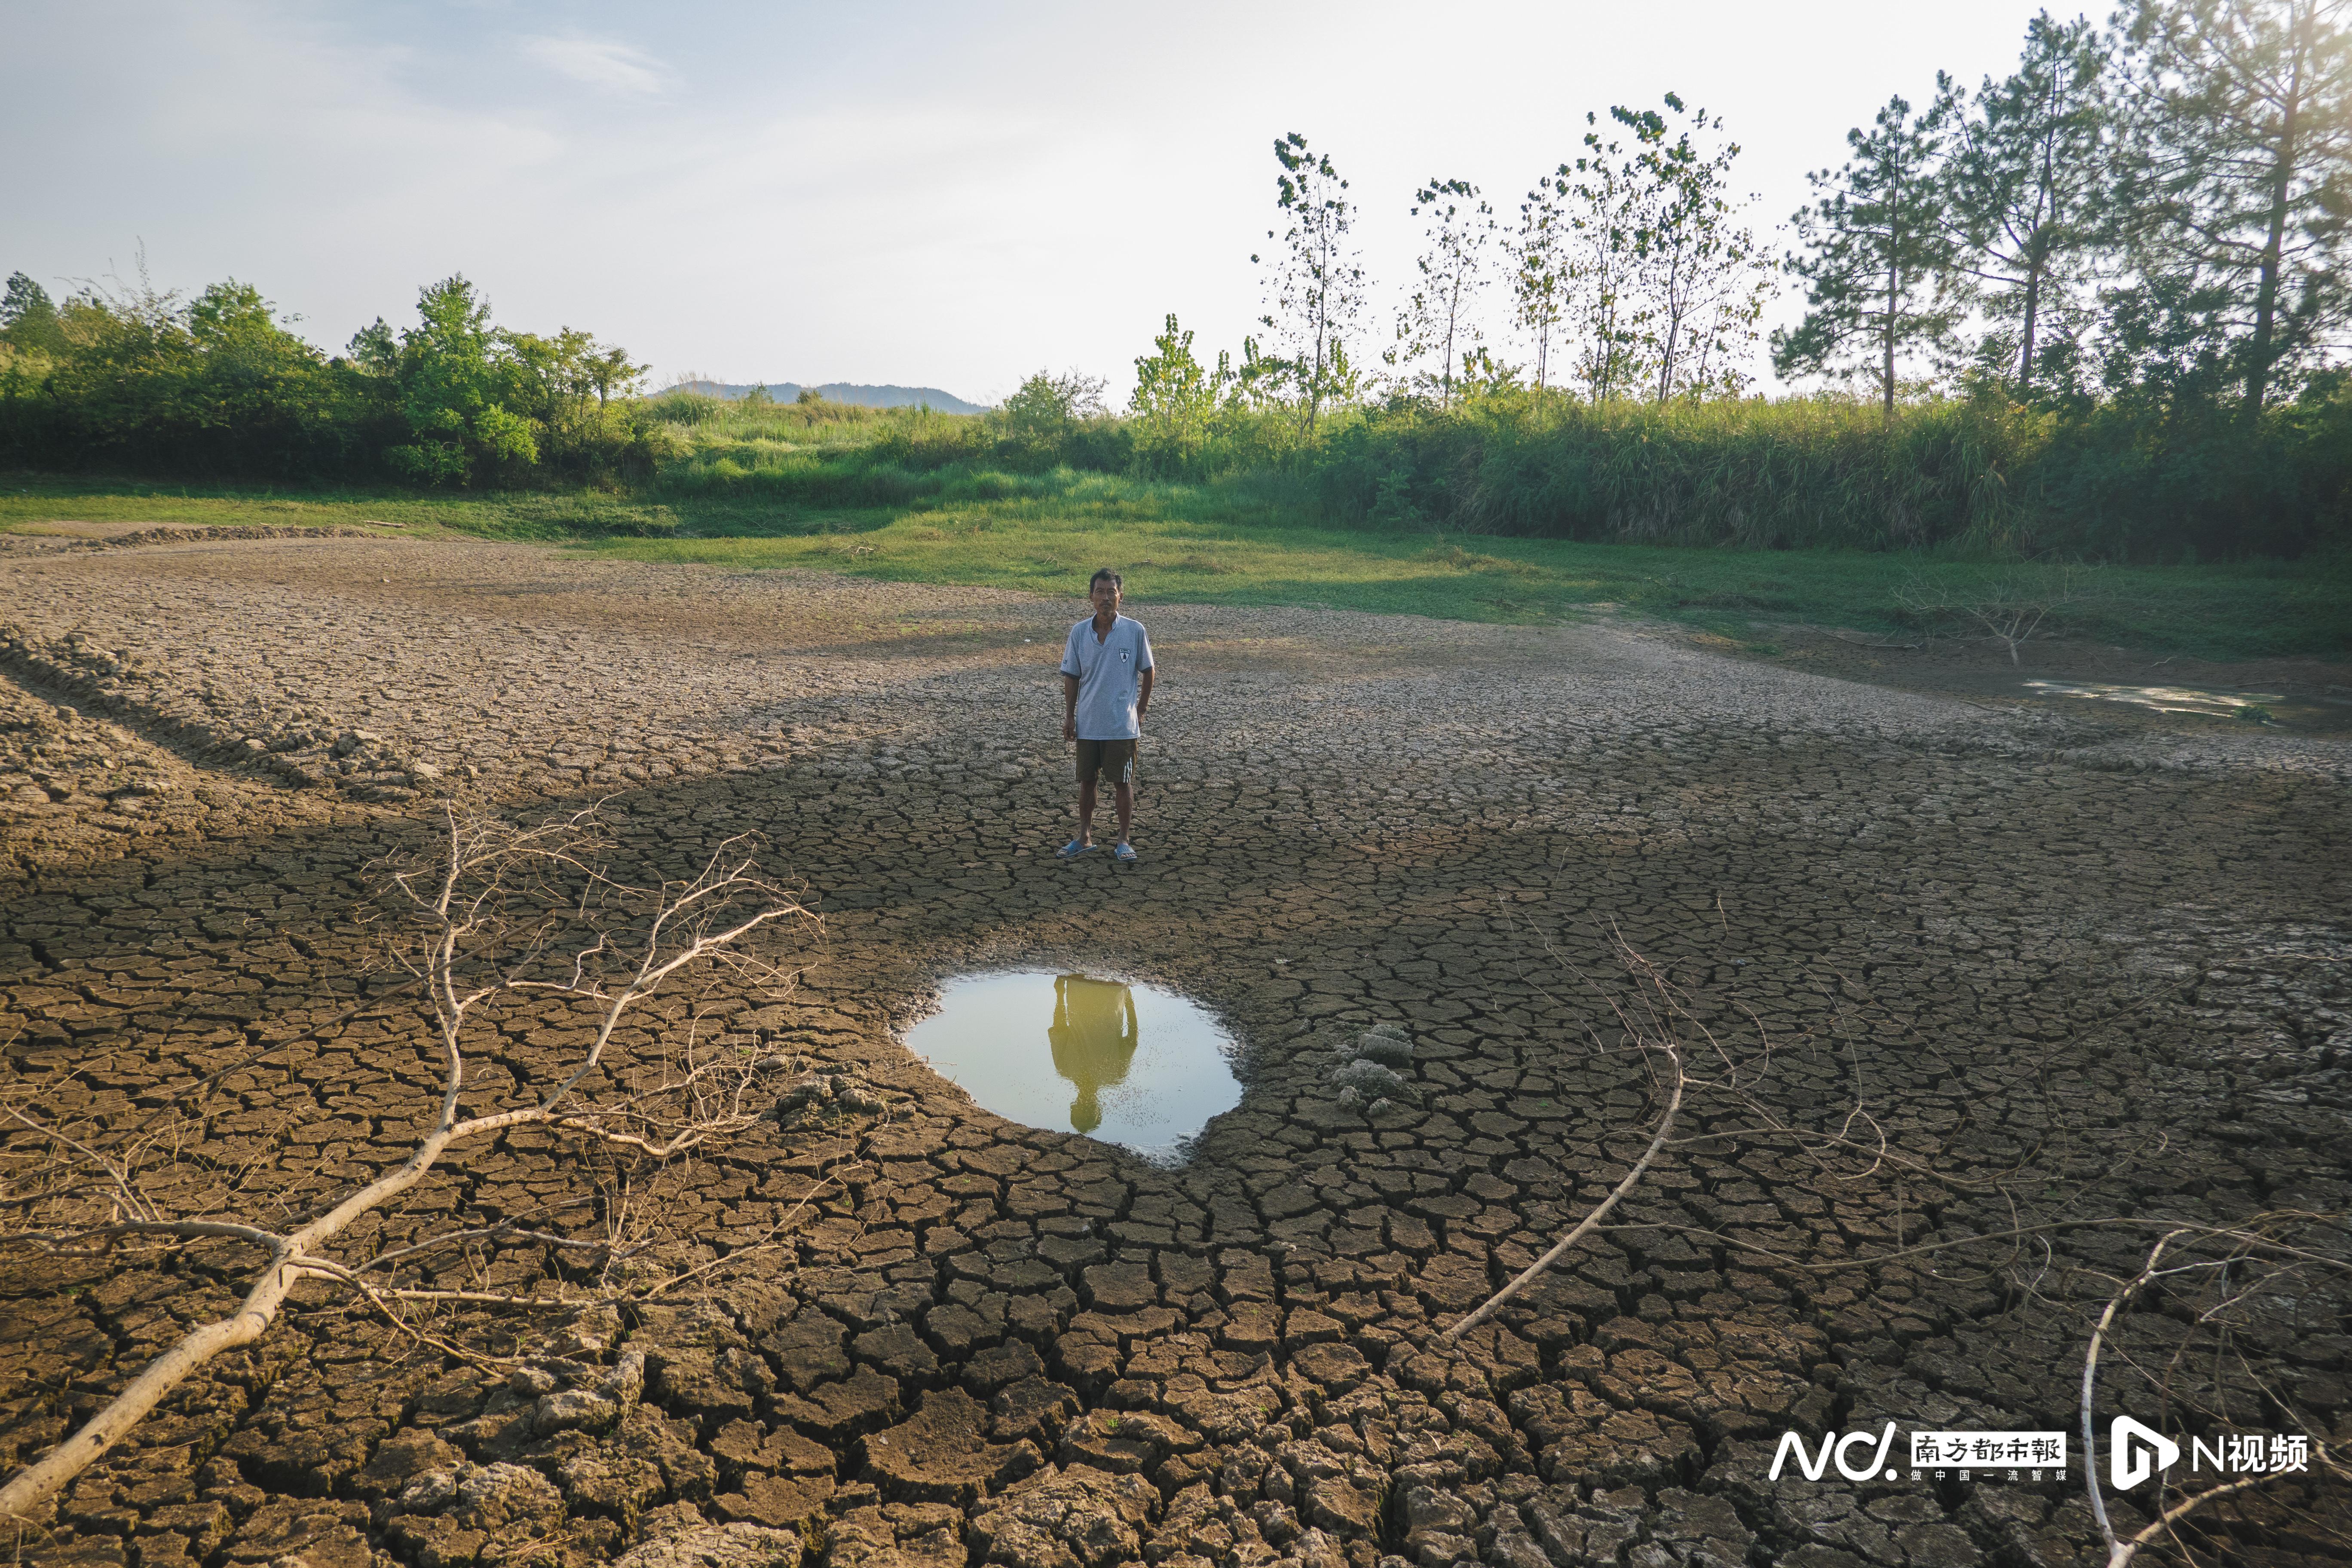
(599, 62)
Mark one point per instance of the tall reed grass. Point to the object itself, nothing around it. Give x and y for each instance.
(2114, 482)
(2111, 482)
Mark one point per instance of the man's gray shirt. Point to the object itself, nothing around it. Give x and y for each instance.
(1109, 673)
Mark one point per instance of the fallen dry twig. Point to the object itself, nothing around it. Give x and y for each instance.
(493, 917)
(1653, 1033)
(2226, 1248)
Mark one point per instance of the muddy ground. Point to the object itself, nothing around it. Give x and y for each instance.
(1983, 963)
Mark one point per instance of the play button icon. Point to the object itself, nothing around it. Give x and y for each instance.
(2136, 1452)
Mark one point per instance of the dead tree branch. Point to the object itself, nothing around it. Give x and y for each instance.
(2211, 1256)
(498, 912)
(1650, 1026)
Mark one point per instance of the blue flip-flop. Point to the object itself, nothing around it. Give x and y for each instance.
(1124, 854)
(1072, 851)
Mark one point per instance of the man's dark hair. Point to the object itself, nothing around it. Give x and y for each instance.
(1107, 575)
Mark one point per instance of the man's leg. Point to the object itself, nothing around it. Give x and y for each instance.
(1087, 810)
(1123, 796)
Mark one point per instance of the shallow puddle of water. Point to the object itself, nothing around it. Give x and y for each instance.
(2163, 699)
(1130, 1065)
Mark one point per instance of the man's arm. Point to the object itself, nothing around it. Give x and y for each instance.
(1143, 697)
(1069, 707)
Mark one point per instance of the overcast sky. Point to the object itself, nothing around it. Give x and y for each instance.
(948, 195)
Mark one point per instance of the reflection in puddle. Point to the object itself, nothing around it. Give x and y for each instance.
(2163, 699)
(1130, 1065)
(1094, 1037)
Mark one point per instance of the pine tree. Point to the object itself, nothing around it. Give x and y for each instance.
(2237, 182)
(1877, 257)
(2026, 186)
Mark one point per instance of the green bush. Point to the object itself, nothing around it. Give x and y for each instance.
(216, 388)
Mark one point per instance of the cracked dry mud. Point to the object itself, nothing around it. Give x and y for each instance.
(2071, 965)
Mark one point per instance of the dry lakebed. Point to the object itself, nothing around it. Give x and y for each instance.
(1976, 993)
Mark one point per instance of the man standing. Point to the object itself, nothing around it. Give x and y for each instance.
(1106, 690)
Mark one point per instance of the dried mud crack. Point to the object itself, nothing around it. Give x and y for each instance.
(2067, 973)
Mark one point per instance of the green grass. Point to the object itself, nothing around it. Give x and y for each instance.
(1250, 543)
(543, 515)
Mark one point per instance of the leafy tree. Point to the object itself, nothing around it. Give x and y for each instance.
(217, 385)
(375, 349)
(2030, 168)
(1176, 399)
(1045, 405)
(1483, 375)
(1436, 320)
(1315, 284)
(1605, 220)
(611, 371)
(1877, 257)
(2237, 182)
(249, 375)
(480, 402)
(221, 384)
(1261, 379)
(449, 381)
(1699, 272)
(228, 311)
(28, 319)
(128, 364)
(550, 380)
(1539, 268)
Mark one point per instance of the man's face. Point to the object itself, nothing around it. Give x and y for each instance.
(1105, 595)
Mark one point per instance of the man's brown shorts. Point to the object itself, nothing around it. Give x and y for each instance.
(1114, 760)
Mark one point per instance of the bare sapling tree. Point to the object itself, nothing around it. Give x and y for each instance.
(1704, 279)
(2007, 611)
(1540, 270)
(497, 914)
(1603, 306)
(1438, 320)
(1314, 282)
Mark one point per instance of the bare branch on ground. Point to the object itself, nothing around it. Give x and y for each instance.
(500, 912)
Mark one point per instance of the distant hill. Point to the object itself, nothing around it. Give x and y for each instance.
(846, 392)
